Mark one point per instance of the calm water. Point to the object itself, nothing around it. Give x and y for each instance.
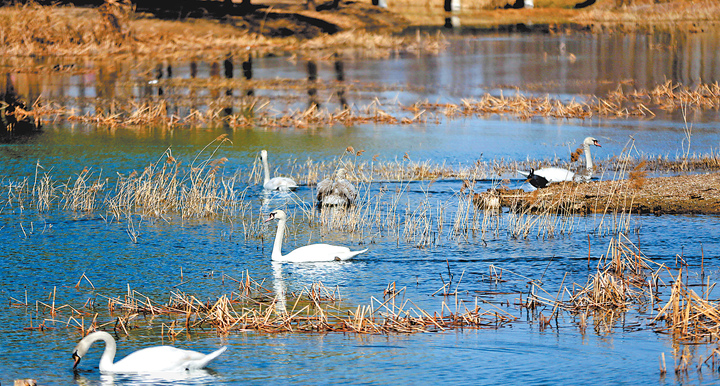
(50, 251)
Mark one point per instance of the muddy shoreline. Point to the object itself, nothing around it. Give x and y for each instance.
(686, 194)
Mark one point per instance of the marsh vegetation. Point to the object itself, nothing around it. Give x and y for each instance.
(138, 207)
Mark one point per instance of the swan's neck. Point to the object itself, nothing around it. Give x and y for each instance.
(588, 158)
(277, 246)
(266, 170)
(108, 356)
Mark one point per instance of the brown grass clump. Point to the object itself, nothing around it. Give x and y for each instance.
(688, 316)
(620, 279)
(638, 175)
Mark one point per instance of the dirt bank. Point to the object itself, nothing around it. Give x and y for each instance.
(688, 194)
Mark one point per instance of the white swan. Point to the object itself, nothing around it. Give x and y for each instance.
(336, 191)
(308, 253)
(551, 175)
(276, 183)
(147, 360)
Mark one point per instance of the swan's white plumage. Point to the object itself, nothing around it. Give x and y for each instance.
(308, 253)
(147, 360)
(336, 191)
(275, 183)
(554, 174)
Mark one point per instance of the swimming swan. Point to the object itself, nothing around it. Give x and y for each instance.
(147, 360)
(336, 191)
(276, 183)
(559, 174)
(308, 253)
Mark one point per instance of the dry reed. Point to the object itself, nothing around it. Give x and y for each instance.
(251, 306)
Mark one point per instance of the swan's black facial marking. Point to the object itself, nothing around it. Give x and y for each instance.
(76, 358)
(271, 216)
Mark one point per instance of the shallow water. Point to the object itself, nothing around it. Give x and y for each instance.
(49, 252)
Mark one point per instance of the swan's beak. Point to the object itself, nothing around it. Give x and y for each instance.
(77, 360)
(270, 218)
(596, 143)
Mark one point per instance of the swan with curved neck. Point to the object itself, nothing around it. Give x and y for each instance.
(147, 360)
(275, 183)
(308, 253)
(550, 175)
(336, 191)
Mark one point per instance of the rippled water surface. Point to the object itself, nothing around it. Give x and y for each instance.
(46, 253)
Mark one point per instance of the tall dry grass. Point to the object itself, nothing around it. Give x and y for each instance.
(115, 29)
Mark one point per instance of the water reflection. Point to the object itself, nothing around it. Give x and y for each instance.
(248, 74)
(229, 67)
(470, 65)
(158, 76)
(340, 77)
(194, 377)
(12, 123)
(312, 76)
(452, 22)
(214, 74)
(280, 288)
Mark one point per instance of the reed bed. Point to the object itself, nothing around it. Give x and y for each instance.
(394, 198)
(624, 276)
(251, 306)
(544, 214)
(218, 109)
(619, 103)
(687, 316)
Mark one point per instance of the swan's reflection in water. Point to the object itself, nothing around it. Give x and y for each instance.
(303, 275)
(194, 377)
(274, 199)
(280, 288)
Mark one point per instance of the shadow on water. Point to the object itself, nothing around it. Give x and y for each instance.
(312, 77)
(340, 77)
(248, 75)
(228, 67)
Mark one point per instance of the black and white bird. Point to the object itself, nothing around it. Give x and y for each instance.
(552, 175)
(537, 181)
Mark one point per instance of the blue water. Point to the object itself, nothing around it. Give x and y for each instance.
(47, 253)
